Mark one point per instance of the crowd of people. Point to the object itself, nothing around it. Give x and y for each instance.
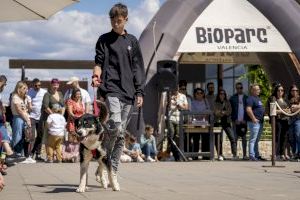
(236, 116)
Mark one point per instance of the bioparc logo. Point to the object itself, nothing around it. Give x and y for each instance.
(232, 38)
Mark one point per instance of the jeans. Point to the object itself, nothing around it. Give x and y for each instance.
(18, 136)
(4, 133)
(148, 150)
(295, 131)
(119, 112)
(37, 126)
(255, 133)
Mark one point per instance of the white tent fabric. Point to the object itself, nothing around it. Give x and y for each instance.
(22, 10)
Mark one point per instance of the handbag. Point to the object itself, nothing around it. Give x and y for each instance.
(29, 134)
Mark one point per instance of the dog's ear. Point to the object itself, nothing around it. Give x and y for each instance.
(103, 111)
(99, 128)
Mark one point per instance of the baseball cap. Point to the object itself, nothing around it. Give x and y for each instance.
(72, 79)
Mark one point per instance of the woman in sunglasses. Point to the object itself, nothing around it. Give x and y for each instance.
(294, 139)
(222, 111)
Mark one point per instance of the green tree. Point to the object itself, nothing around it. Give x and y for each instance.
(256, 74)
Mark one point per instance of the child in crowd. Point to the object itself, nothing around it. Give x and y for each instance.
(132, 148)
(56, 124)
(148, 144)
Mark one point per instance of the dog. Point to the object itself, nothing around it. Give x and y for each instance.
(92, 132)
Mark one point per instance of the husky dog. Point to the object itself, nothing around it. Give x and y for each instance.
(92, 131)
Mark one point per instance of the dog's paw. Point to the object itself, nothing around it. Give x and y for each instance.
(102, 181)
(81, 189)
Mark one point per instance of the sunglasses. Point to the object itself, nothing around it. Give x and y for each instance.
(199, 92)
(294, 90)
(239, 88)
(222, 93)
(182, 88)
(37, 85)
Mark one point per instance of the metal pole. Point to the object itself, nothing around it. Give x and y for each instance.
(273, 139)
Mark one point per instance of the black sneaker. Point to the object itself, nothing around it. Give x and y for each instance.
(261, 158)
(14, 158)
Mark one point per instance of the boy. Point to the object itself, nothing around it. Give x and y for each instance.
(119, 65)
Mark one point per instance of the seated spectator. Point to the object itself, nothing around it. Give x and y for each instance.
(132, 148)
(148, 144)
(56, 128)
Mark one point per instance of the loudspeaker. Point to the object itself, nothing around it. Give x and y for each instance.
(167, 76)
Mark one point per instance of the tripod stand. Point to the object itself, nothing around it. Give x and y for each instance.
(174, 148)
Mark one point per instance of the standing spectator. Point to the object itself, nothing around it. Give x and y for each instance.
(75, 110)
(20, 106)
(56, 124)
(178, 103)
(211, 98)
(148, 144)
(36, 94)
(199, 104)
(183, 90)
(294, 102)
(85, 96)
(238, 116)
(222, 113)
(282, 125)
(53, 96)
(119, 63)
(255, 111)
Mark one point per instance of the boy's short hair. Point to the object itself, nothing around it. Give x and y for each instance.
(148, 127)
(118, 9)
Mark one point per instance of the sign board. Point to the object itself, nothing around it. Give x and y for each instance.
(219, 57)
(233, 26)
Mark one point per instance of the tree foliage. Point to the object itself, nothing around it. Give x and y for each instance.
(256, 74)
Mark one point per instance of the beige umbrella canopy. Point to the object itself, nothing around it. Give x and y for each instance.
(23, 10)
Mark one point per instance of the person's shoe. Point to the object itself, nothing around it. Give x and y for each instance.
(28, 160)
(14, 158)
(235, 158)
(49, 161)
(252, 158)
(261, 158)
(220, 158)
(245, 158)
(38, 157)
(149, 159)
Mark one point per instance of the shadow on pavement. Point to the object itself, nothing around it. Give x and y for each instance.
(60, 188)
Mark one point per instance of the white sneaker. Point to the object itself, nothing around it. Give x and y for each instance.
(28, 160)
(221, 158)
(149, 159)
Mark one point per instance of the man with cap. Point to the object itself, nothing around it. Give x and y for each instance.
(74, 84)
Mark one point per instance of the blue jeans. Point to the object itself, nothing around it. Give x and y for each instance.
(295, 130)
(148, 150)
(119, 112)
(18, 126)
(255, 133)
(4, 133)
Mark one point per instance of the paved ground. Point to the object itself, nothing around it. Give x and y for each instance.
(155, 181)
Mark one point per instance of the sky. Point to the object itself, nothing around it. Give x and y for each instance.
(69, 34)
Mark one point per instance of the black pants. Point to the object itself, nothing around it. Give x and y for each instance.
(229, 132)
(38, 126)
(240, 130)
(282, 127)
(174, 134)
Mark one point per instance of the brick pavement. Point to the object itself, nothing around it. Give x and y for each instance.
(158, 181)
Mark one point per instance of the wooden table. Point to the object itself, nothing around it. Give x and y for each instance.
(187, 129)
